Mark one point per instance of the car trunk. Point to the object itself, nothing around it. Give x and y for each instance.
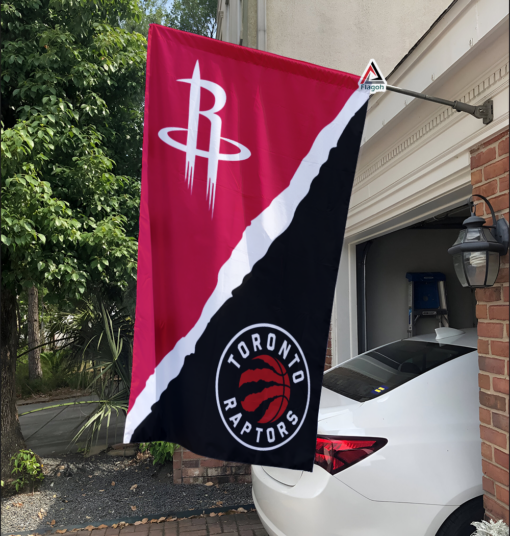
(331, 404)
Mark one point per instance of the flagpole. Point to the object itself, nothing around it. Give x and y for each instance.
(484, 111)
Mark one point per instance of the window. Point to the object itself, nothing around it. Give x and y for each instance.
(369, 375)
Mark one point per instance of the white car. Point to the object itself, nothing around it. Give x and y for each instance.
(398, 447)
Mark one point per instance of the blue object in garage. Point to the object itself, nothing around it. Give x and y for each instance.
(426, 289)
(426, 297)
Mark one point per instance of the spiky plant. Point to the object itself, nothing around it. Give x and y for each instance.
(489, 528)
(111, 373)
(98, 341)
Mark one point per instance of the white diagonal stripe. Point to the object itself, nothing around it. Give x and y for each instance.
(255, 242)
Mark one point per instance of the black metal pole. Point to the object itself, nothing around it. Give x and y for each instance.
(484, 111)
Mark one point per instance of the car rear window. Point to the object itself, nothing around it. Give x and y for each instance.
(369, 375)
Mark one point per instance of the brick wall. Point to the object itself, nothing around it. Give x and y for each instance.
(192, 468)
(489, 176)
(329, 351)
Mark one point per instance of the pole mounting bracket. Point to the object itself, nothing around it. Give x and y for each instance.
(483, 111)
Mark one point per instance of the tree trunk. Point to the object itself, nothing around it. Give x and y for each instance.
(42, 335)
(10, 430)
(34, 338)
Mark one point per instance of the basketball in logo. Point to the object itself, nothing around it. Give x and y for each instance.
(263, 387)
(275, 386)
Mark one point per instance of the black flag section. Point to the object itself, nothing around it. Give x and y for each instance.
(258, 366)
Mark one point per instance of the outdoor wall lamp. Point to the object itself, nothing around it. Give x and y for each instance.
(478, 248)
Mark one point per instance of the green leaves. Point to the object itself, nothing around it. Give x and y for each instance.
(196, 16)
(72, 122)
(161, 451)
(6, 240)
(25, 468)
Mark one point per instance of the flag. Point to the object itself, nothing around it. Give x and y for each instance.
(247, 170)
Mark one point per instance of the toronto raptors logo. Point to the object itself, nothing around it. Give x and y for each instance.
(213, 154)
(263, 387)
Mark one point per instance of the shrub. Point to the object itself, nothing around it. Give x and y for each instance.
(161, 451)
(26, 468)
(56, 375)
(56, 361)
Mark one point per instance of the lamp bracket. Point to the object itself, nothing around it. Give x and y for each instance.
(472, 208)
(499, 228)
(483, 111)
(501, 234)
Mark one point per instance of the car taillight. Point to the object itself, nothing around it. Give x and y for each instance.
(334, 454)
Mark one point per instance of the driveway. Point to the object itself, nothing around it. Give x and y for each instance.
(230, 525)
(50, 432)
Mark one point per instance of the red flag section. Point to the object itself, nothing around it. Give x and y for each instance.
(248, 165)
(184, 243)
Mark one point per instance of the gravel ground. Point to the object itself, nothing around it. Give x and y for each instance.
(102, 488)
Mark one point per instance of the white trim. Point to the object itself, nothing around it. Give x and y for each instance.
(344, 331)
(261, 25)
(423, 149)
(334, 323)
(345, 305)
(255, 242)
(353, 304)
(476, 94)
(465, 32)
(233, 19)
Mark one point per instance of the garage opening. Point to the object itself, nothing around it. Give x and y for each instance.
(382, 286)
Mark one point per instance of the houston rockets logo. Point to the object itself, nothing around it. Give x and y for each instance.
(263, 387)
(213, 155)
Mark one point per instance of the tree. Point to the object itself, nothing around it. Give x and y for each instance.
(195, 16)
(152, 12)
(72, 120)
(34, 339)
